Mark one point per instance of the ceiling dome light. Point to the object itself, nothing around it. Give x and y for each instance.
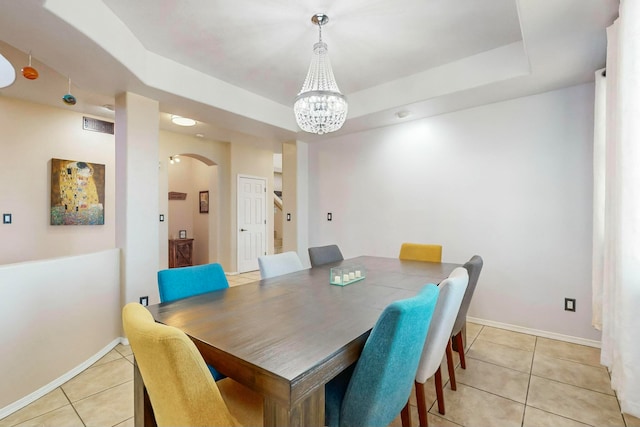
(182, 121)
(7, 72)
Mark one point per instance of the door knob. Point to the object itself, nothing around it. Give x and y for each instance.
(243, 229)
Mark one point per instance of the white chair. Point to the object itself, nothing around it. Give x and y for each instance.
(438, 339)
(279, 264)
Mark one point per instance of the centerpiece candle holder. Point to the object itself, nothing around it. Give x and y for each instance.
(346, 275)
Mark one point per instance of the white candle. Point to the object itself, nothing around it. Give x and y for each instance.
(352, 275)
(337, 279)
(345, 277)
(358, 274)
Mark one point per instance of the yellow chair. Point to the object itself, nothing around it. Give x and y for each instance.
(180, 386)
(420, 252)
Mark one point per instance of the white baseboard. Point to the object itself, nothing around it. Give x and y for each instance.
(537, 332)
(30, 398)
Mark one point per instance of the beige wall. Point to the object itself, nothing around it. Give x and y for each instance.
(56, 314)
(30, 136)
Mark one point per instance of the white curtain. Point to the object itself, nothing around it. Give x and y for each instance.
(616, 220)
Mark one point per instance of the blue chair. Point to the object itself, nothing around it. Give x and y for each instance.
(183, 282)
(375, 389)
(321, 255)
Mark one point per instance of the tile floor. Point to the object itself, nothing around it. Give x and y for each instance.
(512, 379)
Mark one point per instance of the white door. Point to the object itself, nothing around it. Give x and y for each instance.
(252, 221)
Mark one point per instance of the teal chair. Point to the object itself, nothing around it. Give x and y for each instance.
(183, 282)
(375, 389)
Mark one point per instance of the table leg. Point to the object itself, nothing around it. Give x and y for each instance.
(142, 410)
(308, 413)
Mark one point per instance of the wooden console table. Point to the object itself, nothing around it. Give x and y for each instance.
(180, 252)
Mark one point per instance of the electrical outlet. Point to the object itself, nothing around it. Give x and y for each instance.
(329, 216)
(569, 304)
(144, 301)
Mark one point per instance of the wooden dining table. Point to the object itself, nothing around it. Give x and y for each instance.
(287, 336)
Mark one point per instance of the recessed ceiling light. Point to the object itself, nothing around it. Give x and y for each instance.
(182, 121)
(402, 114)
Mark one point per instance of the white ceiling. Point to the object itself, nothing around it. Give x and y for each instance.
(236, 66)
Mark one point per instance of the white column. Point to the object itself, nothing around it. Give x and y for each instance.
(137, 212)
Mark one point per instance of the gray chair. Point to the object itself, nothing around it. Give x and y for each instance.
(279, 264)
(473, 266)
(321, 255)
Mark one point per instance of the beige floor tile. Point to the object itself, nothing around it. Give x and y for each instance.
(47, 403)
(568, 351)
(124, 350)
(433, 420)
(473, 330)
(508, 338)
(99, 378)
(631, 420)
(111, 356)
(502, 355)
(469, 406)
(594, 378)
(107, 408)
(126, 423)
(429, 393)
(495, 379)
(130, 358)
(536, 418)
(65, 416)
(586, 406)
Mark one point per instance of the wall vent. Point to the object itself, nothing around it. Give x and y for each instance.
(96, 125)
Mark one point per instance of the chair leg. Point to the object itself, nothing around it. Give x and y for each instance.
(422, 404)
(439, 395)
(405, 415)
(460, 347)
(450, 367)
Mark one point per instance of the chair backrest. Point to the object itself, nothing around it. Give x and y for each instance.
(321, 255)
(176, 283)
(279, 264)
(451, 292)
(474, 267)
(420, 252)
(180, 387)
(383, 377)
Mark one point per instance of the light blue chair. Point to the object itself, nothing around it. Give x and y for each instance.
(183, 282)
(279, 264)
(375, 389)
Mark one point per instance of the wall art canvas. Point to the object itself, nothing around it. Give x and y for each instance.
(77, 192)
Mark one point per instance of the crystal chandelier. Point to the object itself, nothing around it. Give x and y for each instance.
(320, 107)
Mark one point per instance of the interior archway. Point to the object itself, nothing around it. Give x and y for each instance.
(193, 182)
